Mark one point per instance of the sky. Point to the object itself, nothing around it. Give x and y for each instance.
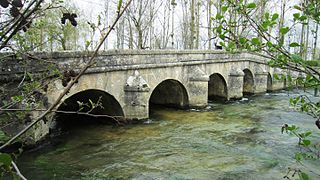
(91, 8)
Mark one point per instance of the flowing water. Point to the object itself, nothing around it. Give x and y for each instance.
(237, 140)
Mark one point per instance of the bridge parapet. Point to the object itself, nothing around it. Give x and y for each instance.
(116, 60)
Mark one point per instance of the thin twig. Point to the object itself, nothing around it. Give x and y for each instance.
(24, 77)
(18, 171)
(62, 112)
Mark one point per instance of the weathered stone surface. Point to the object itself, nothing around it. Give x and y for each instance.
(236, 84)
(136, 78)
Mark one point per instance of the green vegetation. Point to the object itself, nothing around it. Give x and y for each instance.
(264, 40)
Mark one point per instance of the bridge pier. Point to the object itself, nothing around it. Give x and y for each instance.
(235, 84)
(136, 100)
(198, 87)
(278, 83)
(261, 79)
(198, 92)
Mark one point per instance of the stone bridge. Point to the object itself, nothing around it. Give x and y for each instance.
(128, 82)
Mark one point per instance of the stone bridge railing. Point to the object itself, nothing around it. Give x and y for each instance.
(114, 60)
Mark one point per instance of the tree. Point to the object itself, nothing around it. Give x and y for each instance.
(209, 12)
(141, 17)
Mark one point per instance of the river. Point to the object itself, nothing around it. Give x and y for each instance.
(236, 140)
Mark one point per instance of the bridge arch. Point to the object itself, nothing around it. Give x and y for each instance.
(108, 106)
(248, 82)
(269, 83)
(170, 93)
(217, 87)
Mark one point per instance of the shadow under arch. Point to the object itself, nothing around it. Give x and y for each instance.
(269, 83)
(217, 88)
(170, 93)
(109, 107)
(248, 82)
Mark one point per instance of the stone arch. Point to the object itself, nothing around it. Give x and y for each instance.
(269, 83)
(171, 93)
(217, 87)
(109, 106)
(248, 82)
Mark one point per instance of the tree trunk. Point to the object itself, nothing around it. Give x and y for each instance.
(130, 35)
(209, 10)
(314, 54)
(192, 24)
(307, 40)
(140, 38)
(302, 47)
(262, 11)
(281, 21)
(302, 40)
(198, 26)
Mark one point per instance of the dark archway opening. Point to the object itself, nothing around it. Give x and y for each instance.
(169, 93)
(217, 88)
(269, 83)
(71, 114)
(248, 83)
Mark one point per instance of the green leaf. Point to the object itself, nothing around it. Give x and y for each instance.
(224, 8)
(294, 44)
(30, 76)
(306, 142)
(293, 127)
(308, 133)
(119, 6)
(266, 15)
(298, 156)
(3, 137)
(222, 44)
(296, 58)
(17, 98)
(297, 7)
(16, 177)
(284, 30)
(269, 44)
(272, 63)
(255, 41)
(296, 15)
(276, 77)
(219, 16)
(219, 29)
(303, 18)
(275, 16)
(303, 176)
(242, 40)
(231, 45)
(251, 5)
(265, 25)
(5, 159)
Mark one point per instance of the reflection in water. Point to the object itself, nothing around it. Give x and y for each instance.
(238, 140)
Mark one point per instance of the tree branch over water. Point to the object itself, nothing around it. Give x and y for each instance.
(73, 81)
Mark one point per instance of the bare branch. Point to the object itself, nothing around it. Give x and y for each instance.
(18, 171)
